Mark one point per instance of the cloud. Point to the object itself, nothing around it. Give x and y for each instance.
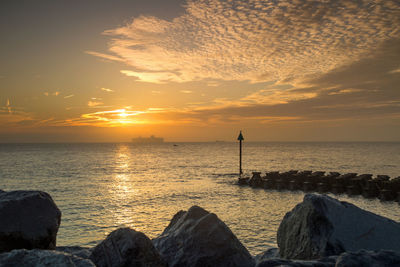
(345, 91)
(153, 77)
(253, 40)
(68, 96)
(94, 103)
(107, 90)
(186, 91)
(363, 90)
(105, 56)
(395, 71)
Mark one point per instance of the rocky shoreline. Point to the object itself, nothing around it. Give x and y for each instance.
(320, 231)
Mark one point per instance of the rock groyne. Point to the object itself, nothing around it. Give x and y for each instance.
(381, 186)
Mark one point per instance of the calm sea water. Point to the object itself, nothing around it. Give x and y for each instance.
(100, 187)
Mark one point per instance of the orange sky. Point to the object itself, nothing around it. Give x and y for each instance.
(96, 71)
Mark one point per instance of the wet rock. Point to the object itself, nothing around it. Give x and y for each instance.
(369, 258)
(28, 219)
(256, 180)
(199, 238)
(322, 226)
(126, 247)
(36, 257)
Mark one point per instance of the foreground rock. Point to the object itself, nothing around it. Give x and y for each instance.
(36, 257)
(328, 262)
(81, 252)
(321, 226)
(198, 238)
(271, 258)
(28, 219)
(369, 258)
(126, 247)
(272, 253)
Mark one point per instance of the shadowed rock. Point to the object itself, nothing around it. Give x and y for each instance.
(272, 253)
(78, 251)
(126, 247)
(36, 257)
(198, 238)
(271, 258)
(328, 262)
(322, 226)
(28, 219)
(369, 259)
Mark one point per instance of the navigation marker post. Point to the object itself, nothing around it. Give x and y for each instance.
(240, 138)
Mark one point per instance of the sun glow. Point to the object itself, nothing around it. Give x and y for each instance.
(114, 118)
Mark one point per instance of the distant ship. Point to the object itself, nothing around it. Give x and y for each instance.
(148, 140)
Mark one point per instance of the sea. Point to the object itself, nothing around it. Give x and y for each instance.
(101, 187)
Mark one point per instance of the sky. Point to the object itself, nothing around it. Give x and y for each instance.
(185, 70)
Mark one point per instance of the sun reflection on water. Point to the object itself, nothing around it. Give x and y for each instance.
(122, 189)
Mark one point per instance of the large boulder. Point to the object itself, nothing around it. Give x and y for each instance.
(322, 226)
(28, 219)
(369, 258)
(126, 247)
(37, 257)
(198, 238)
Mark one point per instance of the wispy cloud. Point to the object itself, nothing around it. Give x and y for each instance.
(253, 40)
(105, 56)
(94, 103)
(108, 90)
(395, 71)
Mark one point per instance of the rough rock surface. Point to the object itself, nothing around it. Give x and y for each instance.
(322, 226)
(36, 258)
(199, 238)
(126, 247)
(369, 259)
(81, 252)
(28, 219)
(272, 253)
(328, 262)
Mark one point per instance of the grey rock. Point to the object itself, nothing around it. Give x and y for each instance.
(126, 247)
(365, 258)
(199, 238)
(272, 253)
(41, 258)
(321, 226)
(78, 251)
(28, 219)
(327, 262)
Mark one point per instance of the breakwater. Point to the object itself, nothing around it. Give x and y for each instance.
(381, 186)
